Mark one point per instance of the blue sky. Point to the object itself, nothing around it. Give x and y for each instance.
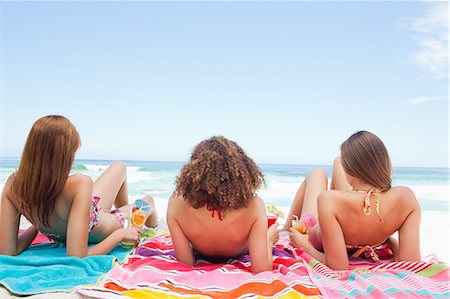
(289, 81)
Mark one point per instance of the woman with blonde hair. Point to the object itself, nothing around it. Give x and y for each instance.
(361, 211)
(66, 208)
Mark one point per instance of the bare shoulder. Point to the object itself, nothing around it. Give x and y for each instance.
(176, 203)
(334, 194)
(176, 199)
(258, 203)
(7, 193)
(255, 210)
(78, 184)
(402, 190)
(8, 185)
(405, 195)
(257, 206)
(78, 179)
(330, 198)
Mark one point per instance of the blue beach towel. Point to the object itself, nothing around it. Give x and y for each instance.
(46, 268)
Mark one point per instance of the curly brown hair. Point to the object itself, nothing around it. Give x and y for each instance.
(220, 174)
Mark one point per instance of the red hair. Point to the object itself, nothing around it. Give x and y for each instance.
(45, 165)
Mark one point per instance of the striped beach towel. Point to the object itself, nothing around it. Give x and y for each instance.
(426, 279)
(153, 272)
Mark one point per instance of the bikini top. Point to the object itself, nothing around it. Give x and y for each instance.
(366, 206)
(53, 236)
(213, 210)
(370, 251)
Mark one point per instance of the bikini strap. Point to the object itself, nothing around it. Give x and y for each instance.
(212, 210)
(366, 206)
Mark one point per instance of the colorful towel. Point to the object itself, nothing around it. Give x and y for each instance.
(382, 280)
(46, 268)
(153, 272)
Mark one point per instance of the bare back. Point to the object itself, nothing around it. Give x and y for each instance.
(343, 222)
(211, 236)
(58, 220)
(240, 231)
(361, 229)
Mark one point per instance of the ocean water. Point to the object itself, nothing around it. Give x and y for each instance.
(157, 179)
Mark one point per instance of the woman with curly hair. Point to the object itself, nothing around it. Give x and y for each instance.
(215, 211)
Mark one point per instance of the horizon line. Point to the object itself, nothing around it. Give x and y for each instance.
(262, 163)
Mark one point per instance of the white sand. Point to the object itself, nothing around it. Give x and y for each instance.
(434, 240)
(434, 235)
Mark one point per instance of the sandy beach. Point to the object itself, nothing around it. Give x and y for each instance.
(434, 235)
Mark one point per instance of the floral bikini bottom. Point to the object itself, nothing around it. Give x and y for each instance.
(381, 251)
(95, 210)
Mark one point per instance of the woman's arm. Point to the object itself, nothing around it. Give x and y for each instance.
(409, 232)
(259, 247)
(9, 226)
(273, 234)
(26, 238)
(393, 244)
(10, 243)
(78, 224)
(181, 244)
(111, 241)
(79, 217)
(301, 241)
(331, 232)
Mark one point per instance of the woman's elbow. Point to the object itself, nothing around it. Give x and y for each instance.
(7, 247)
(339, 267)
(8, 251)
(189, 261)
(337, 264)
(80, 254)
(77, 255)
(409, 258)
(261, 268)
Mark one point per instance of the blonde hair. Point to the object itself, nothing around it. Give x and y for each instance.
(364, 156)
(220, 175)
(45, 164)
